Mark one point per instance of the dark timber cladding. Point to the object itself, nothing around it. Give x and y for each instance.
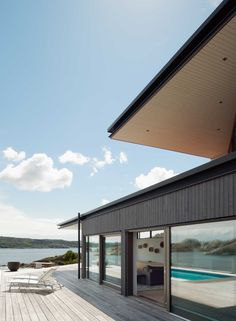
(208, 192)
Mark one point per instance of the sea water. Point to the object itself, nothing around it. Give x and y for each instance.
(30, 255)
(199, 260)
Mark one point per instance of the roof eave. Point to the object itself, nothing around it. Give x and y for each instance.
(204, 33)
(68, 223)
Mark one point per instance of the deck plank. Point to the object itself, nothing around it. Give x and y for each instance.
(124, 308)
(9, 310)
(2, 308)
(62, 312)
(93, 308)
(30, 308)
(87, 312)
(78, 300)
(17, 312)
(40, 313)
(24, 311)
(78, 312)
(57, 313)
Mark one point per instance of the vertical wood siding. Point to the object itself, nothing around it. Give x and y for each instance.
(211, 199)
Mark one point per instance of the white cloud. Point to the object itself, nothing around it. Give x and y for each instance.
(36, 174)
(123, 158)
(94, 171)
(104, 201)
(108, 156)
(108, 159)
(156, 175)
(74, 158)
(12, 155)
(98, 164)
(95, 163)
(16, 223)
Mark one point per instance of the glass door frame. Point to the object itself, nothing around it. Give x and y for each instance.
(167, 268)
(103, 258)
(167, 263)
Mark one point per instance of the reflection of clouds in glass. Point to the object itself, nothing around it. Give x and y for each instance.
(113, 259)
(157, 233)
(144, 235)
(113, 239)
(205, 232)
(94, 239)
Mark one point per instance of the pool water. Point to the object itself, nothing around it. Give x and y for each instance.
(195, 276)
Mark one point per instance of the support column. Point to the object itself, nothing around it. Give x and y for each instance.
(101, 258)
(167, 267)
(126, 263)
(232, 145)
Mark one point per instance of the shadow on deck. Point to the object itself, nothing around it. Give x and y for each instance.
(111, 302)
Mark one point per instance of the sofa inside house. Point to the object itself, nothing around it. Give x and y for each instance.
(150, 273)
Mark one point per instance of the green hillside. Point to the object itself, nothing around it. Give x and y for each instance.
(215, 247)
(23, 243)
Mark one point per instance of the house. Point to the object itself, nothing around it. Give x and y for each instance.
(175, 242)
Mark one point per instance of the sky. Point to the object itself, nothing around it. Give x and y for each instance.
(208, 232)
(68, 69)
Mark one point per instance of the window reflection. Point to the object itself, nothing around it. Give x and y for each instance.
(113, 259)
(158, 233)
(93, 257)
(203, 283)
(144, 235)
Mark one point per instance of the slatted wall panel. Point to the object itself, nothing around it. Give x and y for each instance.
(211, 199)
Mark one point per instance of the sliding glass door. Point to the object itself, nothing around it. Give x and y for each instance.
(152, 265)
(112, 259)
(92, 257)
(103, 258)
(203, 283)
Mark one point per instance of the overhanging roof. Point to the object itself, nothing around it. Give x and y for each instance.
(190, 106)
(71, 224)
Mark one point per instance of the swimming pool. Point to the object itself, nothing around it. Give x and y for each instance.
(190, 275)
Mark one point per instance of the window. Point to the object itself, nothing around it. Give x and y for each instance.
(157, 233)
(92, 263)
(149, 234)
(203, 270)
(112, 259)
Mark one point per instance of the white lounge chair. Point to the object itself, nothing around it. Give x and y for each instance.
(30, 275)
(43, 281)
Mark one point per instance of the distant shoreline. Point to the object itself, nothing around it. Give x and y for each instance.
(25, 248)
(28, 243)
(28, 255)
(69, 257)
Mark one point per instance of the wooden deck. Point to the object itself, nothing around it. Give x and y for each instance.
(77, 300)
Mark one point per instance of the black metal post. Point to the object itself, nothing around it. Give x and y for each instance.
(78, 245)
